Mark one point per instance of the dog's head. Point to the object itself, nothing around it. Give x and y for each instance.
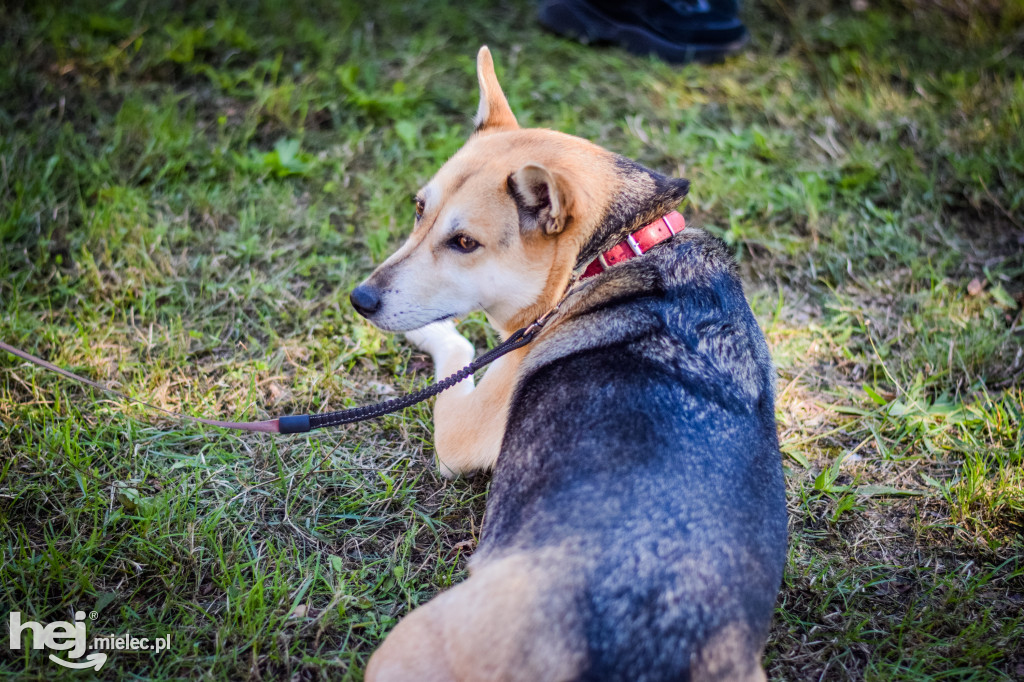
(502, 224)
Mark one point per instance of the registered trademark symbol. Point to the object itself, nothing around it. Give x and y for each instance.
(93, 615)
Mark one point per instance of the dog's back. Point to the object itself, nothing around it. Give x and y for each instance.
(641, 463)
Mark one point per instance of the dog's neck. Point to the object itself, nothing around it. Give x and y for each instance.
(644, 196)
(641, 197)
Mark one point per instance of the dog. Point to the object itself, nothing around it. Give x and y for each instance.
(636, 525)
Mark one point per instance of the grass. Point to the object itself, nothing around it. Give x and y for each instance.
(189, 191)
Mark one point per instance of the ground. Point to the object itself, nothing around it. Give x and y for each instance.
(188, 192)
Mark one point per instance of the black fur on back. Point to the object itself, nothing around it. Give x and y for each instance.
(641, 441)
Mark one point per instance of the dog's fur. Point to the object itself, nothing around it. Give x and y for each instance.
(636, 525)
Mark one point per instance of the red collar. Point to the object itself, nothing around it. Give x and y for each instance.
(637, 243)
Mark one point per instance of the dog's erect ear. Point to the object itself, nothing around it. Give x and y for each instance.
(542, 199)
(493, 113)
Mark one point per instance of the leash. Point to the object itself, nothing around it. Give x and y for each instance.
(302, 423)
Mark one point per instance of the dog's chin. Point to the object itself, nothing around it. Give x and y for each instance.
(405, 323)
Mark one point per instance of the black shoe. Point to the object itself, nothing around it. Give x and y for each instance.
(678, 31)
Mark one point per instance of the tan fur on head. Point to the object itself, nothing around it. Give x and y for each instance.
(494, 112)
(505, 191)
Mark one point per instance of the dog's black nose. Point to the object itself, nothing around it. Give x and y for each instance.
(365, 299)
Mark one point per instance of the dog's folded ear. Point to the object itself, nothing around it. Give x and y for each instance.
(542, 198)
(493, 114)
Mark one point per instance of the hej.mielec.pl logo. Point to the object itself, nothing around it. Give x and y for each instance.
(70, 637)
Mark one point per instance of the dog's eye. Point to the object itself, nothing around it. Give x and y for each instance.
(463, 243)
(420, 204)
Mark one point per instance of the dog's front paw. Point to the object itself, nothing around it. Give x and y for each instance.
(433, 337)
(446, 346)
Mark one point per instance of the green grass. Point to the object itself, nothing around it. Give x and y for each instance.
(188, 191)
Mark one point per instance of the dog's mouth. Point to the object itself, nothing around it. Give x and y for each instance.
(403, 323)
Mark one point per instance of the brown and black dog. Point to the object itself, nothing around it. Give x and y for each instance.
(636, 525)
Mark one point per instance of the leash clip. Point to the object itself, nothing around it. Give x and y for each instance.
(538, 324)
